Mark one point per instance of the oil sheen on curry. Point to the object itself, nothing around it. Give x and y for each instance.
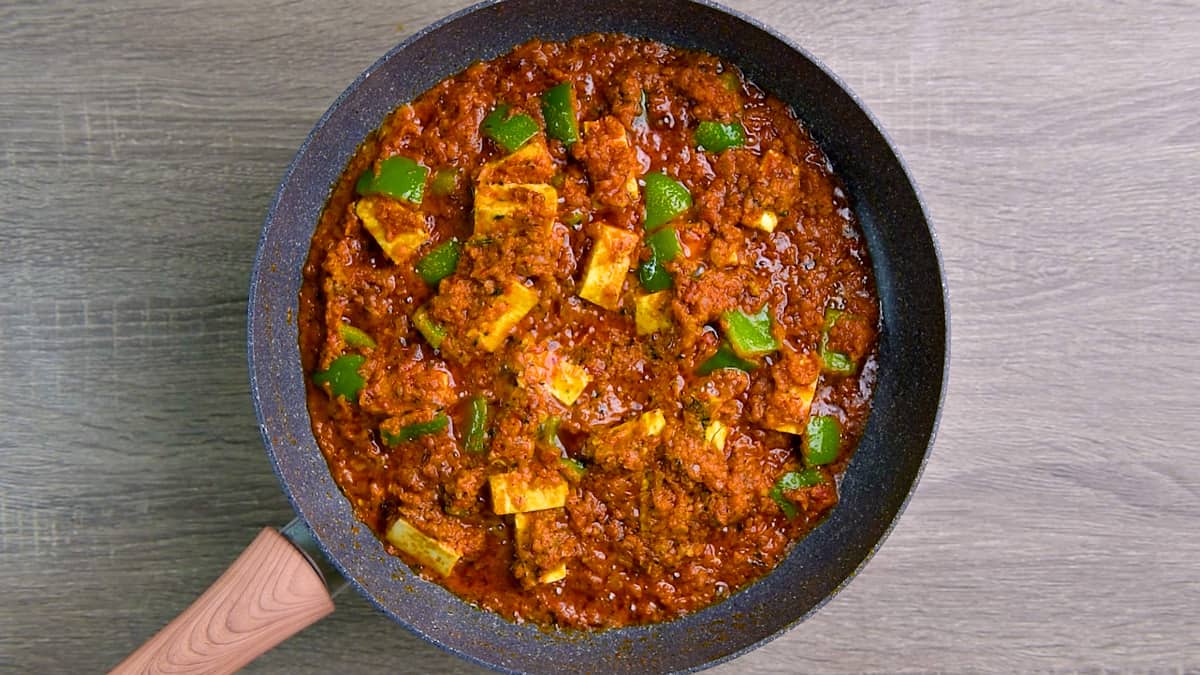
(590, 332)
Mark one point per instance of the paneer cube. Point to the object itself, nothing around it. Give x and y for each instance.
(764, 220)
(652, 312)
(649, 423)
(512, 193)
(514, 493)
(725, 252)
(612, 257)
(515, 207)
(532, 163)
(801, 398)
(502, 317)
(715, 434)
(428, 551)
(567, 381)
(523, 524)
(610, 160)
(398, 227)
(624, 443)
(544, 366)
(556, 573)
(523, 529)
(794, 377)
(774, 191)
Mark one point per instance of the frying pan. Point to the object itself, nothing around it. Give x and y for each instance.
(273, 591)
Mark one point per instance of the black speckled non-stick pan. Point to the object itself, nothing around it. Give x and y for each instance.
(912, 350)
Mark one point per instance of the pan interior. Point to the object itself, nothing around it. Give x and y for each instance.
(911, 359)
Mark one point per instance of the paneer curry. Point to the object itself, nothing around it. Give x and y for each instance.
(590, 332)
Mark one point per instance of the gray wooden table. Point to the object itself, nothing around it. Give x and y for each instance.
(1058, 146)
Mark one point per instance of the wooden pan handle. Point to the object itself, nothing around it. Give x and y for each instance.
(268, 594)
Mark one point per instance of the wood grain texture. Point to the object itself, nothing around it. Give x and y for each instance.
(1057, 526)
(268, 594)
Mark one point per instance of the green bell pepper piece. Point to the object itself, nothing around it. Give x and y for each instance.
(433, 332)
(666, 198)
(444, 182)
(794, 480)
(558, 109)
(837, 363)
(574, 468)
(724, 358)
(548, 432)
(719, 136)
(509, 132)
(810, 477)
(749, 334)
(788, 508)
(654, 276)
(822, 440)
(834, 362)
(398, 177)
(343, 377)
(414, 431)
(355, 337)
(664, 246)
(440, 262)
(831, 317)
(477, 419)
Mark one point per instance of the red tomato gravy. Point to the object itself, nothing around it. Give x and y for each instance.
(570, 453)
